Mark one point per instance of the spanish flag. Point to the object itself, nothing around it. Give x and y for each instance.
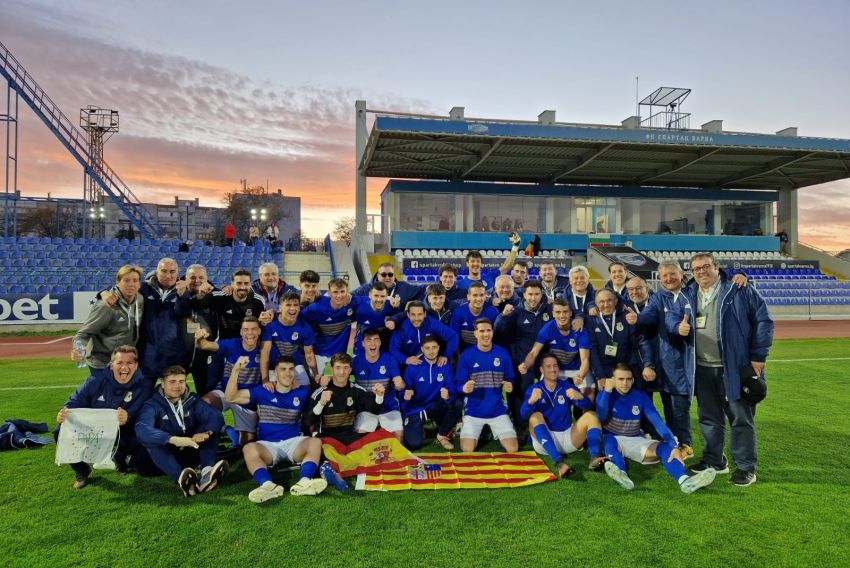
(471, 470)
(372, 453)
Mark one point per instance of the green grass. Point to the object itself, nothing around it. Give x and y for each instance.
(796, 514)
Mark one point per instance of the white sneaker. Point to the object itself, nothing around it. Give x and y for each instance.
(265, 492)
(698, 480)
(308, 487)
(621, 477)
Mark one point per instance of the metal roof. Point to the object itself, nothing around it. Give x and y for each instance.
(420, 147)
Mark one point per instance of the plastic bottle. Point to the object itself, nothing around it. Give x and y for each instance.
(80, 348)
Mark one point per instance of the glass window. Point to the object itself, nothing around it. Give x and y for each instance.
(674, 217)
(509, 213)
(596, 214)
(426, 212)
(743, 218)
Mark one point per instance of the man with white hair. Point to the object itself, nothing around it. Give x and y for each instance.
(504, 297)
(270, 286)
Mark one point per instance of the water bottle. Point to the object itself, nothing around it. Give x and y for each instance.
(80, 348)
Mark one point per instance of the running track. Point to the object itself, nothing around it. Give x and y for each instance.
(34, 347)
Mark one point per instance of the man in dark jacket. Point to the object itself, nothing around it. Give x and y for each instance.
(395, 288)
(160, 344)
(732, 331)
(179, 430)
(120, 386)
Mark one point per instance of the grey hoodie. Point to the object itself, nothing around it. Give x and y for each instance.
(110, 326)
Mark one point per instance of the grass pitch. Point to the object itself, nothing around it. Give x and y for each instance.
(796, 514)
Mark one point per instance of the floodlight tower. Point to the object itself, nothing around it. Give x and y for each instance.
(101, 124)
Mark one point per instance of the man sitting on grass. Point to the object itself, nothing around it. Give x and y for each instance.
(620, 409)
(547, 409)
(120, 386)
(179, 431)
(279, 432)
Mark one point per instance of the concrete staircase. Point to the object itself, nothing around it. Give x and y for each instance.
(294, 263)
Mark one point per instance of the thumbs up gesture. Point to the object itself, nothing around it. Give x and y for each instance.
(631, 316)
(685, 326)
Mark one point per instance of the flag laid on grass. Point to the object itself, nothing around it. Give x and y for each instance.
(460, 471)
(372, 453)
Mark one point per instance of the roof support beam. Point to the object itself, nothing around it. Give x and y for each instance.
(773, 166)
(679, 165)
(583, 161)
(482, 157)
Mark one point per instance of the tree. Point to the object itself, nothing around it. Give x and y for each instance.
(239, 204)
(51, 221)
(343, 229)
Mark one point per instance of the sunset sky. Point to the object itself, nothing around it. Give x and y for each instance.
(210, 92)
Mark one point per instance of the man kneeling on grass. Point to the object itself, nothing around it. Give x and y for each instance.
(547, 408)
(620, 409)
(279, 432)
(179, 431)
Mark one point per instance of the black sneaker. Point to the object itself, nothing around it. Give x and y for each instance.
(188, 482)
(743, 478)
(702, 466)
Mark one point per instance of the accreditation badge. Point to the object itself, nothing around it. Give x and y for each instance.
(611, 349)
(701, 320)
(192, 327)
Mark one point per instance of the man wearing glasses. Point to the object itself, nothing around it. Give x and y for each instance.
(732, 330)
(404, 291)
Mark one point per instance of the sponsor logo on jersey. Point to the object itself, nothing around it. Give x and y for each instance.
(422, 379)
(362, 372)
(229, 312)
(165, 417)
(597, 330)
(274, 399)
(367, 322)
(274, 334)
(525, 321)
(329, 318)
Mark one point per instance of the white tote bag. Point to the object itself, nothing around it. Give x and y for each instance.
(88, 435)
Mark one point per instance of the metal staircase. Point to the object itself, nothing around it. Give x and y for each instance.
(77, 144)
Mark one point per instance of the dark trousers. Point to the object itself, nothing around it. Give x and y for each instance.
(171, 460)
(713, 410)
(200, 372)
(677, 414)
(445, 414)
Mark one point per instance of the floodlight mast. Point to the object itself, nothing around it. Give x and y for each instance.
(101, 124)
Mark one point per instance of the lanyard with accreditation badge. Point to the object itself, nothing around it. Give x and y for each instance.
(611, 346)
(704, 301)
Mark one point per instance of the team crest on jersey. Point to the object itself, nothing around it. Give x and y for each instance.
(620, 326)
(636, 410)
(545, 317)
(383, 369)
(296, 401)
(350, 311)
(439, 377)
(572, 342)
(350, 401)
(249, 312)
(128, 397)
(561, 399)
(295, 336)
(256, 358)
(497, 362)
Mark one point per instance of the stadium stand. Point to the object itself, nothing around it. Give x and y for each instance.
(42, 265)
